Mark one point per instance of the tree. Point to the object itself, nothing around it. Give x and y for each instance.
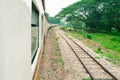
(52, 19)
(98, 15)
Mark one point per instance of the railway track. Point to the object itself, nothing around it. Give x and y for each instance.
(95, 70)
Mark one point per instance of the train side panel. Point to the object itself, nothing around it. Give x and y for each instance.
(2, 43)
(35, 65)
(16, 41)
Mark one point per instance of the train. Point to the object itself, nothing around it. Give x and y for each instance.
(23, 32)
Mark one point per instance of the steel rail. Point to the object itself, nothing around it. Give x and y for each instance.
(114, 78)
(79, 59)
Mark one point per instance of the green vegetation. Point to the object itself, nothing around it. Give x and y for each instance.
(59, 59)
(57, 37)
(63, 28)
(97, 57)
(93, 15)
(85, 79)
(52, 20)
(105, 40)
(58, 53)
(89, 36)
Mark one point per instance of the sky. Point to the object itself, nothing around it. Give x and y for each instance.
(55, 6)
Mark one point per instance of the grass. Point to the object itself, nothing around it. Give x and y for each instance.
(59, 59)
(85, 79)
(58, 53)
(107, 41)
(57, 38)
(97, 57)
(109, 44)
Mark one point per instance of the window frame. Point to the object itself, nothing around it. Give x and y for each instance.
(33, 25)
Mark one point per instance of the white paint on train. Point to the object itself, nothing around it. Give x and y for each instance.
(15, 39)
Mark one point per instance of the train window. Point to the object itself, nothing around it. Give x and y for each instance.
(34, 31)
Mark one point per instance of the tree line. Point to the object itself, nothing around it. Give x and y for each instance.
(97, 15)
(51, 20)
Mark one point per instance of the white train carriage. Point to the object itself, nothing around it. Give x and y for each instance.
(23, 30)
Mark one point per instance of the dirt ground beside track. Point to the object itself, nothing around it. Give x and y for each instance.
(51, 66)
(63, 65)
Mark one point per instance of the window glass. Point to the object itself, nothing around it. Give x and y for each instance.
(34, 31)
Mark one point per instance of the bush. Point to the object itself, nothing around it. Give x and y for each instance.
(70, 29)
(99, 49)
(57, 37)
(63, 28)
(114, 31)
(115, 39)
(79, 31)
(89, 36)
